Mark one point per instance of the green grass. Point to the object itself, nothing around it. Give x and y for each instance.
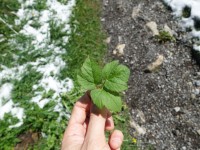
(86, 37)
(40, 5)
(122, 123)
(7, 8)
(6, 15)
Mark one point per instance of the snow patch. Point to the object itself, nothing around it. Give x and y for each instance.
(7, 105)
(178, 7)
(5, 91)
(49, 66)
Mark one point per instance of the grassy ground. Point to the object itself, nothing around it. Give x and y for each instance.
(86, 39)
(39, 122)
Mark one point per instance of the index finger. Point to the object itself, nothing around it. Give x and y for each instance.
(80, 110)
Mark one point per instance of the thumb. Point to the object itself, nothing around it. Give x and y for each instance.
(116, 139)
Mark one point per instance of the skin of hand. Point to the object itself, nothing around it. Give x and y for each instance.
(86, 128)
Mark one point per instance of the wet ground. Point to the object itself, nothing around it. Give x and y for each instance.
(164, 102)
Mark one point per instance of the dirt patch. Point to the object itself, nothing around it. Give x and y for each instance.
(27, 140)
(166, 102)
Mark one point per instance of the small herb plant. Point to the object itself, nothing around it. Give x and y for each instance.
(164, 36)
(105, 83)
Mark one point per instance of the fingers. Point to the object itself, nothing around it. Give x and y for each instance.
(97, 121)
(80, 110)
(75, 132)
(116, 139)
(78, 117)
(109, 123)
(95, 136)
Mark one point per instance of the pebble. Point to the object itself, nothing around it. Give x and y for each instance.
(120, 39)
(177, 109)
(190, 84)
(153, 27)
(140, 114)
(167, 29)
(155, 65)
(108, 40)
(140, 130)
(193, 96)
(136, 11)
(119, 49)
(198, 131)
(102, 19)
(184, 148)
(114, 52)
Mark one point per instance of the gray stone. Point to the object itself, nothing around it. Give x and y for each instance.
(177, 109)
(140, 114)
(119, 50)
(167, 29)
(193, 96)
(156, 64)
(114, 52)
(107, 40)
(140, 130)
(198, 131)
(136, 11)
(153, 27)
(184, 148)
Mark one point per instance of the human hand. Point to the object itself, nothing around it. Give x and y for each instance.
(86, 128)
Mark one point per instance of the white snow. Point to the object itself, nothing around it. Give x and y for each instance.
(38, 34)
(63, 12)
(5, 91)
(49, 67)
(7, 105)
(41, 102)
(178, 6)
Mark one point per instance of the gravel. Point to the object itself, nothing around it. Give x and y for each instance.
(164, 103)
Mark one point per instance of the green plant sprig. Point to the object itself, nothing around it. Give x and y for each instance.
(105, 84)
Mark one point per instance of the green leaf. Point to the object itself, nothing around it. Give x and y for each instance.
(97, 97)
(102, 98)
(109, 69)
(105, 84)
(123, 73)
(85, 85)
(115, 76)
(90, 76)
(91, 71)
(115, 85)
